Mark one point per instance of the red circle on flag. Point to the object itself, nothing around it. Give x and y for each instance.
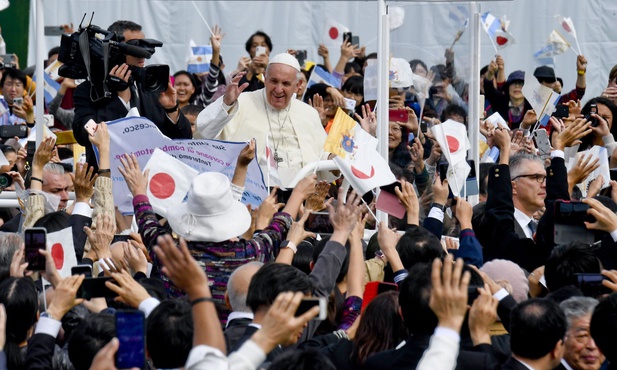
(162, 185)
(501, 41)
(333, 33)
(453, 143)
(57, 252)
(566, 26)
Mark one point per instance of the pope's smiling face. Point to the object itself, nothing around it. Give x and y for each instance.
(281, 83)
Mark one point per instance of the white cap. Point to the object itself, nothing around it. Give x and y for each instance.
(287, 59)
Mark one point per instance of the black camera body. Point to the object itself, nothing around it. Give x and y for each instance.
(92, 52)
(593, 109)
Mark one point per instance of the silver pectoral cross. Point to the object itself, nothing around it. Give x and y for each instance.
(276, 157)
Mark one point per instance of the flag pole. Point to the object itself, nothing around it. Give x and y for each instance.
(203, 18)
(268, 164)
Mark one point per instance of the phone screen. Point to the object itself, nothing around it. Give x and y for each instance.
(130, 329)
(94, 287)
(591, 284)
(572, 213)
(85, 270)
(35, 239)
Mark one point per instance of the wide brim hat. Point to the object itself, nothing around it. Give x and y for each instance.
(210, 212)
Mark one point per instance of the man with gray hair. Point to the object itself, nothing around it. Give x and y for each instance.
(581, 351)
(270, 114)
(518, 187)
(9, 244)
(235, 297)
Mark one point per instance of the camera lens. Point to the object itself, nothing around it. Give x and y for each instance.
(5, 180)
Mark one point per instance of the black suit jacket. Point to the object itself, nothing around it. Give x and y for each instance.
(248, 333)
(498, 235)
(40, 352)
(513, 364)
(110, 109)
(407, 357)
(235, 331)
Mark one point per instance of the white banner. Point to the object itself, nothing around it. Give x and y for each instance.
(140, 136)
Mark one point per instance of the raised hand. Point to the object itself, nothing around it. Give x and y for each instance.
(368, 121)
(100, 240)
(64, 297)
(449, 292)
(84, 182)
(129, 291)
(408, 197)
(136, 181)
(181, 267)
(233, 90)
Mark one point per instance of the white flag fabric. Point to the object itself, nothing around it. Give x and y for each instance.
(497, 120)
(596, 152)
(4, 4)
(566, 24)
(542, 99)
(333, 33)
(452, 138)
(273, 169)
(400, 74)
(357, 155)
(503, 39)
(555, 45)
(168, 181)
(457, 176)
(53, 68)
(60, 245)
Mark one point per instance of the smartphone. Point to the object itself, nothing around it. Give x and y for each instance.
(130, 331)
(355, 40)
(308, 303)
(443, 170)
(30, 148)
(569, 222)
(260, 50)
(591, 284)
(91, 127)
(561, 111)
(593, 109)
(410, 138)
(613, 172)
(94, 287)
(54, 31)
(301, 56)
(85, 270)
(347, 37)
(120, 238)
(424, 126)
(398, 115)
(18, 101)
(35, 239)
(319, 223)
(10, 131)
(350, 104)
(542, 141)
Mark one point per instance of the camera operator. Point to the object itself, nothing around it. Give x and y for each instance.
(161, 109)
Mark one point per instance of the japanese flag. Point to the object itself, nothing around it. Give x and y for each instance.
(333, 33)
(503, 39)
(60, 245)
(566, 24)
(168, 181)
(452, 138)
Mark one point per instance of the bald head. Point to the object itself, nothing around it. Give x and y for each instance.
(238, 286)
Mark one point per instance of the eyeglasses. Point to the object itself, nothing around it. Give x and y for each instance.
(539, 178)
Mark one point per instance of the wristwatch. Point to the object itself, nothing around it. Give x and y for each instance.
(439, 206)
(290, 245)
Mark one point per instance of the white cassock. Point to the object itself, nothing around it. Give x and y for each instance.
(295, 134)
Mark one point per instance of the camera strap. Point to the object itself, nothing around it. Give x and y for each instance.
(106, 92)
(84, 47)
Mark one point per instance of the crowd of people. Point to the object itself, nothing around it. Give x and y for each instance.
(287, 286)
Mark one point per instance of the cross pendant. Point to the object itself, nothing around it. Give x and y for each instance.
(277, 159)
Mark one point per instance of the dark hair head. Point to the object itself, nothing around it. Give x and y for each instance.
(567, 260)
(536, 326)
(354, 84)
(352, 67)
(414, 296)
(54, 221)
(417, 246)
(606, 102)
(483, 70)
(302, 359)
(454, 110)
(560, 80)
(414, 63)
(14, 74)
(192, 110)
(303, 258)
(19, 297)
(371, 56)
(92, 334)
(7, 149)
(440, 72)
(603, 326)
(381, 327)
(118, 27)
(272, 279)
(53, 51)
(319, 247)
(169, 334)
(189, 75)
(249, 42)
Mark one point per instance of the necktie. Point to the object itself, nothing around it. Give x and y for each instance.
(532, 226)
